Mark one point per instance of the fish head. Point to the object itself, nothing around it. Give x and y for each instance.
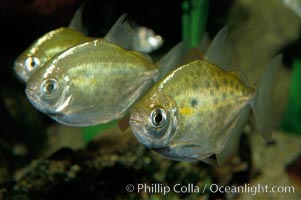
(154, 120)
(49, 89)
(28, 62)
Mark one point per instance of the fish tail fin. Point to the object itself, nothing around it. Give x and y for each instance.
(262, 103)
(172, 59)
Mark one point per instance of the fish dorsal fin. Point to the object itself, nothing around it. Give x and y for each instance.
(77, 22)
(121, 33)
(240, 76)
(219, 51)
(198, 52)
(203, 45)
(172, 59)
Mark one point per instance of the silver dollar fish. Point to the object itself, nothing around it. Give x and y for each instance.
(199, 110)
(51, 43)
(58, 40)
(95, 82)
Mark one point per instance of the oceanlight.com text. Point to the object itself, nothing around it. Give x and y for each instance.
(251, 189)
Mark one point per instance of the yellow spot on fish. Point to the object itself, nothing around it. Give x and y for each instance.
(185, 111)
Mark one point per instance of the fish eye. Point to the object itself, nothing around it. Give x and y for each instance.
(49, 86)
(32, 63)
(158, 117)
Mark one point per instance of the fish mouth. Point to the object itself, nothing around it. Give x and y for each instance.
(30, 91)
(37, 103)
(31, 96)
(135, 121)
(19, 70)
(18, 66)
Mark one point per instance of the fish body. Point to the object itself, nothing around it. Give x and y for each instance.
(200, 109)
(91, 83)
(44, 48)
(200, 101)
(91, 80)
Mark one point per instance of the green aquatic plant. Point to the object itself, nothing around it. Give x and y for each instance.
(91, 131)
(292, 117)
(194, 19)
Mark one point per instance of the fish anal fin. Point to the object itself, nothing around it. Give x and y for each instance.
(234, 130)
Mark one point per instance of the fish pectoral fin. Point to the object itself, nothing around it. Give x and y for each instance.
(234, 130)
(193, 152)
(121, 33)
(123, 123)
(219, 51)
(77, 22)
(184, 144)
(211, 160)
